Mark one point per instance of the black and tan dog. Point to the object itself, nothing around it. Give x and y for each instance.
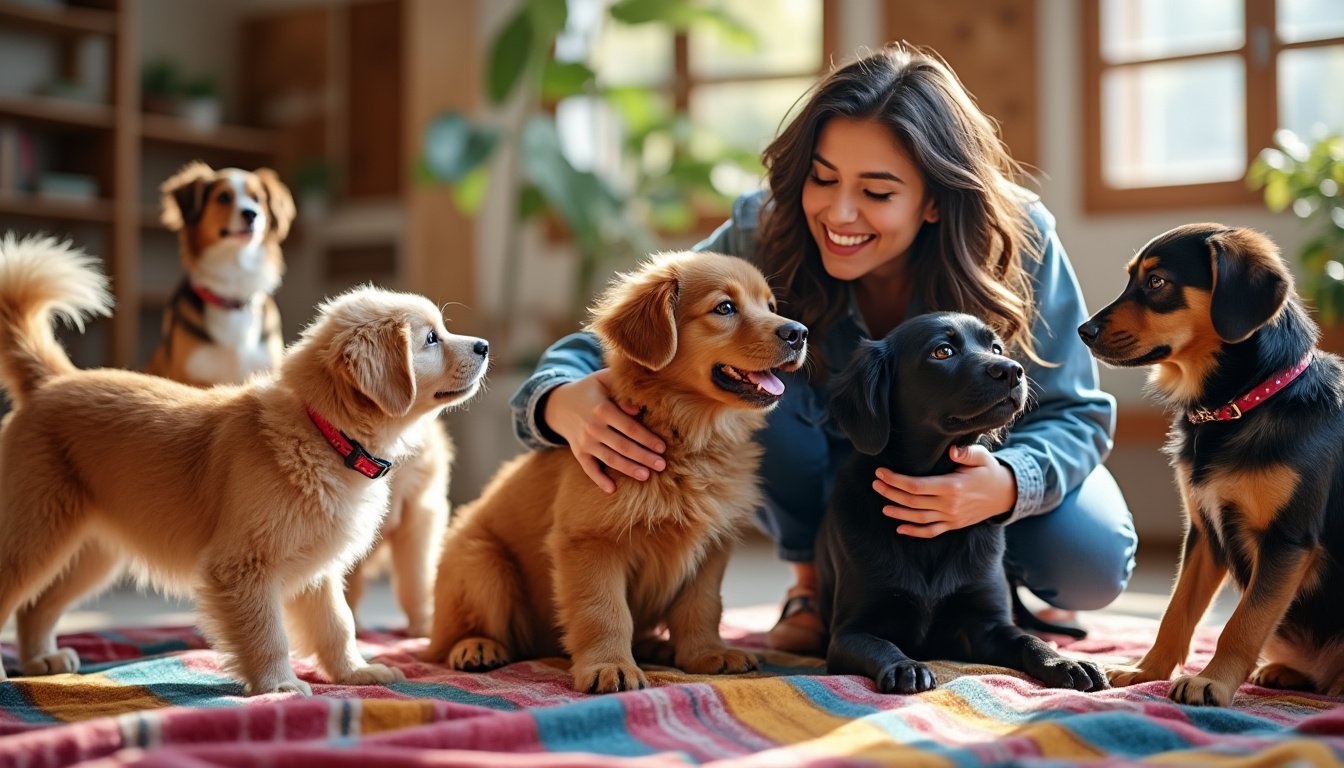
(936, 381)
(1257, 439)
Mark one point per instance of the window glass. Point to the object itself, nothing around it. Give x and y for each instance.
(745, 116)
(1310, 19)
(1174, 123)
(1311, 89)
(639, 54)
(1133, 30)
(787, 40)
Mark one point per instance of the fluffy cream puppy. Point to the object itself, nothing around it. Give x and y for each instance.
(254, 498)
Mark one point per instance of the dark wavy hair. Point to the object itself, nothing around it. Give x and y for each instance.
(971, 259)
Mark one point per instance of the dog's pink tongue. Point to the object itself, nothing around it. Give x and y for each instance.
(767, 381)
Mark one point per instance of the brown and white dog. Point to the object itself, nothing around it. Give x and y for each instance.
(222, 324)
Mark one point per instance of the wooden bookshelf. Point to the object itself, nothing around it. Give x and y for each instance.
(111, 143)
(57, 113)
(57, 209)
(69, 21)
(173, 131)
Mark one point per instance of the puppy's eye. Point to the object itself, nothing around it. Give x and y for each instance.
(996, 349)
(225, 198)
(725, 308)
(432, 338)
(1155, 282)
(943, 351)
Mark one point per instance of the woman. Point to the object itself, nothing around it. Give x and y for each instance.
(890, 195)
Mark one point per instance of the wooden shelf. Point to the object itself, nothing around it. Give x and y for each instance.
(69, 21)
(165, 129)
(92, 211)
(57, 113)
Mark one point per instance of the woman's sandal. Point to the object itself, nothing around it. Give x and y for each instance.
(799, 629)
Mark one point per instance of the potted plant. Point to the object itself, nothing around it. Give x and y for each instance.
(160, 84)
(199, 103)
(1309, 179)
(609, 224)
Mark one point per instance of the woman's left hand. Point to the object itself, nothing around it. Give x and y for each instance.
(977, 490)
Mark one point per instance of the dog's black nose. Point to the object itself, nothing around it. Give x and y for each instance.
(1005, 369)
(1089, 331)
(794, 334)
(248, 215)
(481, 347)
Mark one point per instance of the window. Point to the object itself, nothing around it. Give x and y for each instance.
(717, 97)
(1180, 97)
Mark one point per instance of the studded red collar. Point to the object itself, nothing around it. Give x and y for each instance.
(214, 299)
(356, 457)
(1256, 396)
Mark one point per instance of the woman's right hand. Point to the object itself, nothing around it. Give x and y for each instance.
(601, 432)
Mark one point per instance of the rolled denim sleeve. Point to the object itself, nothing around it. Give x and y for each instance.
(569, 359)
(1070, 429)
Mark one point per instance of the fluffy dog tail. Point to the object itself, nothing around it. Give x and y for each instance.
(42, 279)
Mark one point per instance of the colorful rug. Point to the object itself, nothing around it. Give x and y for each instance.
(156, 697)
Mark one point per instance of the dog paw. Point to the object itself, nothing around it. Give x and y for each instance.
(1122, 675)
(1201, 691)
(906, 677)
(289, 684)
(608, 678)
(372, 674)
(655, 650)
(720, 661)
(1059, 672)
(1335, 688)
(1276, 675)
(478, 654)
(62, 661)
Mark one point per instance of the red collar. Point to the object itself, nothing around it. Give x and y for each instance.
(1258, 395)
(210, 297)
(356, 457)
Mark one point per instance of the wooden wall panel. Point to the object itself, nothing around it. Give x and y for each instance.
(991, 45)
(374, 87)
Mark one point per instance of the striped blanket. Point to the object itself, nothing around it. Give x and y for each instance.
(156, 697)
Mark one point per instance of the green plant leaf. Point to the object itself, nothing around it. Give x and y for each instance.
(469, 193)
(531, 203)
(548, 18)
(1278, 193)
(454, 146)
(509, 56)
(562, 79)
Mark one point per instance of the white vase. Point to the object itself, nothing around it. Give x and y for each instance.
(203, 112)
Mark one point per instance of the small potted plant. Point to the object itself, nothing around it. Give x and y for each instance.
(1308, 177)
(160, 84)
(199, 104)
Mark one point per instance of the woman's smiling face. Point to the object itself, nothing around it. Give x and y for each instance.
(864, 200)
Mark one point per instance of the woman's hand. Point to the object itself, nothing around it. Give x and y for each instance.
(601, 432)
(977, 490)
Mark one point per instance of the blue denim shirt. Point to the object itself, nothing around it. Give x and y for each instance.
(1055, 445)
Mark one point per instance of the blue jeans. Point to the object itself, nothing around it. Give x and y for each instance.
(1078, 556)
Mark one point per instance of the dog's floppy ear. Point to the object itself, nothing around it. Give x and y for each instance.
(1250, 282)
(637, 315)
(861, 401)
(279, 201)
(377, 358)
(182, 196)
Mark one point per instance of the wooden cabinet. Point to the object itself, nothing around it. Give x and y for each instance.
(86, 168)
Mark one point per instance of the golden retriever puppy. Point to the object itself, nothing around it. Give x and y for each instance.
(545, 562)
(254, 499)
(223, 325)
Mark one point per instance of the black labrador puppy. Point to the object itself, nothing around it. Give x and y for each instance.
(935, 381)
